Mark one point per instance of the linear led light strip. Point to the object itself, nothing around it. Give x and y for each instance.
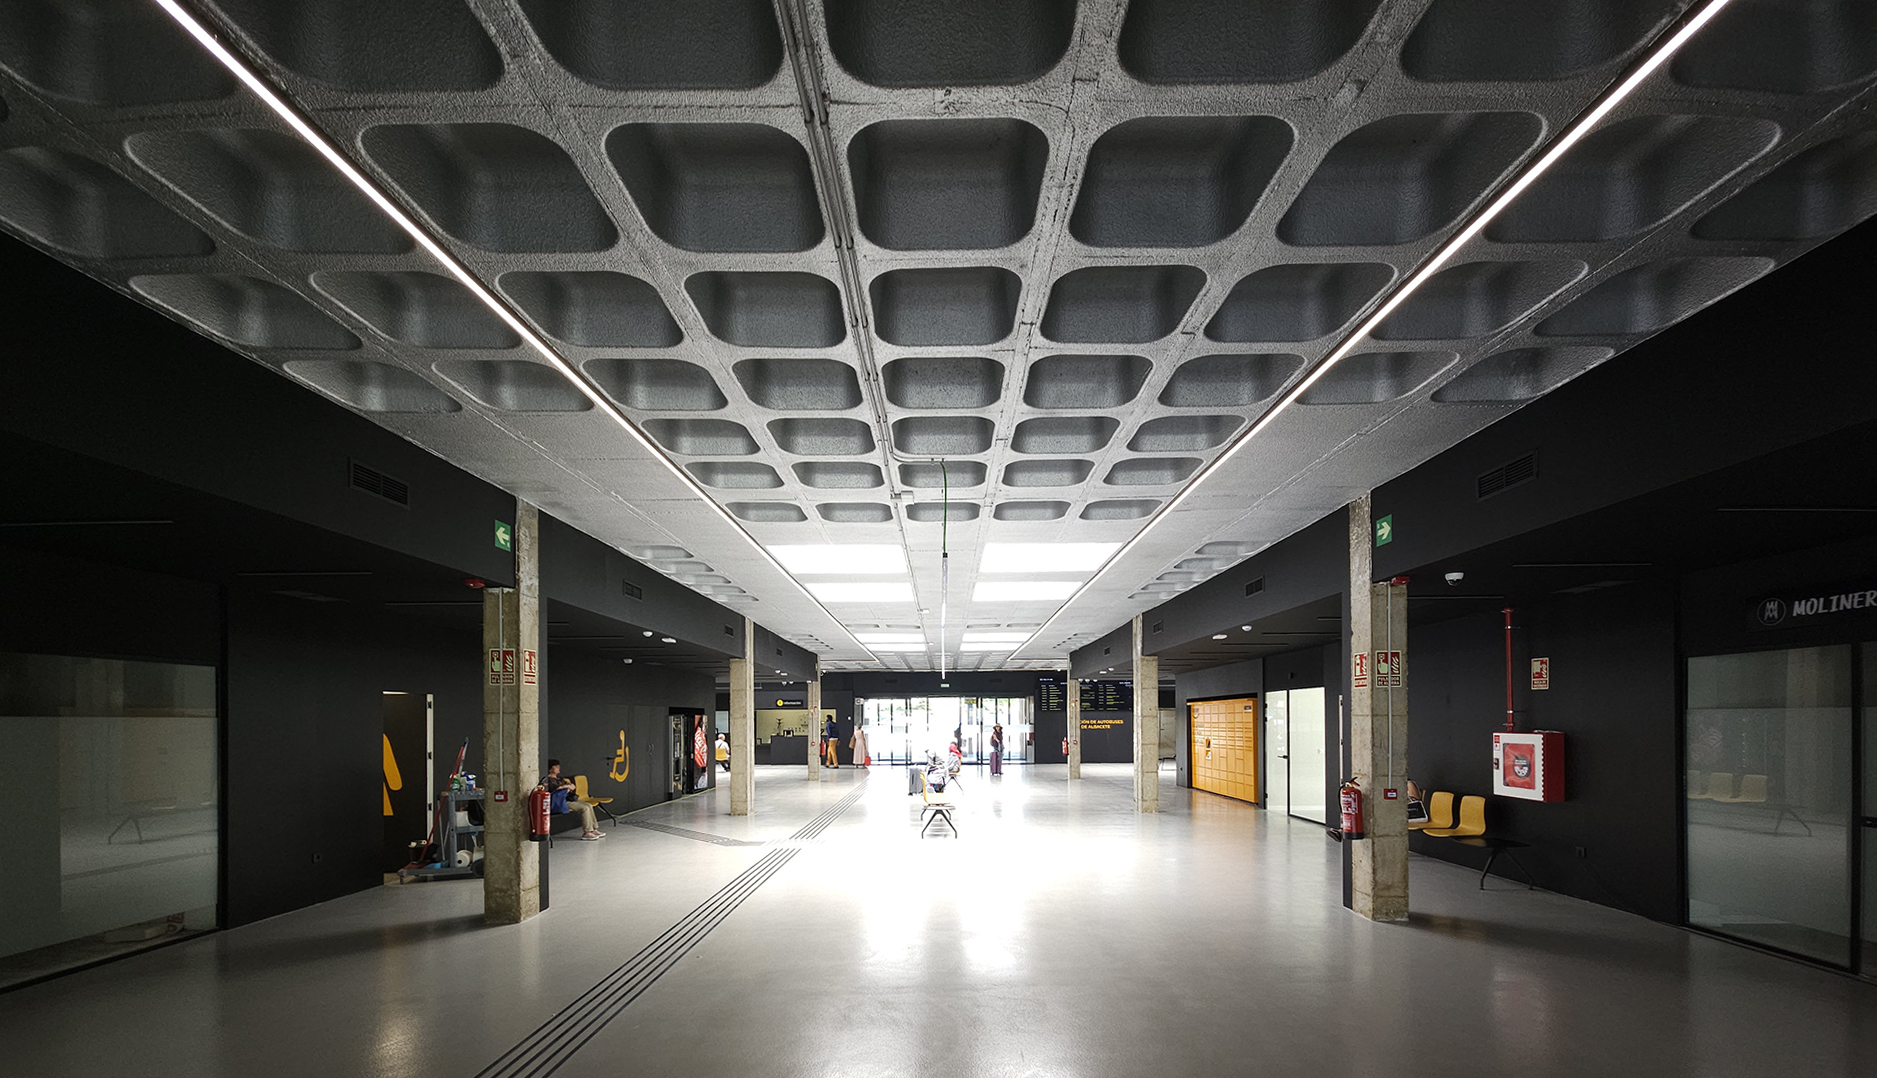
(1572, 135)
(391, 209)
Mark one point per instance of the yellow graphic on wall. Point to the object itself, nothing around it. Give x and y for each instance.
(622, 761)
(393, 780)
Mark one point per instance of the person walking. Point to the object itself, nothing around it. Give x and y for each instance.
(723, 750)
(859, 744)
(997, 748)
(831, 737)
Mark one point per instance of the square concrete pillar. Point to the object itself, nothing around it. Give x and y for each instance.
(1146, 726)
(1378, 728)
(743, 726)
(511, 738)
(812, 701)
(1073, 729)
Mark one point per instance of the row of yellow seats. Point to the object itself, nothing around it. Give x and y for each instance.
(1439, 822)
(1719, 786)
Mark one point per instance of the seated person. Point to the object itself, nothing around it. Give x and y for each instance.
(562, 789)
(938, 772)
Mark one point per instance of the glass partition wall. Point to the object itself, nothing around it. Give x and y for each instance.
(110, 829)
(1771, 812)
(907, 727)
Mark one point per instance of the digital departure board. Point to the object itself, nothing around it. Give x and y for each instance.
(1107, 696)
(1051, 695)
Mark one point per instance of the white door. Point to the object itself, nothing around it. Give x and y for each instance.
(1309, 794)
(1276, 753)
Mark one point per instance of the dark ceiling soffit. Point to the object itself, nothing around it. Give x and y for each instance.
(1306, 566)
(582, 572)
(1114, 650)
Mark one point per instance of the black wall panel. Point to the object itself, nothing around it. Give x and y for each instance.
(1613, 694)
(588, 700)
(305, 685)
(64, 606)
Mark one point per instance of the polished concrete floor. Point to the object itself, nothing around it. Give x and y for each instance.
(1060, 935)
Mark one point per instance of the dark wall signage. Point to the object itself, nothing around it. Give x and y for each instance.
(1804, 607)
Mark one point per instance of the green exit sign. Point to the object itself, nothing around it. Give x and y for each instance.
(504, 536)
(1385, 530)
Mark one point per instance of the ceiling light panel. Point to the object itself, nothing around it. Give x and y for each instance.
(1045, 557)
(688, 285)
(860, 559)
(1015, 591)
(869, 591)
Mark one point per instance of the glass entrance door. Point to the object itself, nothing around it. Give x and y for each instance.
(1867, 809)
(1277, 751)
(1769, 799)
(1309, 798)
(906, 728)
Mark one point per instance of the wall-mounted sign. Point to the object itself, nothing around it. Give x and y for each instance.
(789, 702)
(504, 536)
(1388, 670)
(1385, 530)
(1541, 673)
(501, 666)
(530, 668)
(1810, 607)
(1359, 673)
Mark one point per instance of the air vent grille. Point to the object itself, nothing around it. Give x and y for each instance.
(1254, 586)
(379, 485)
(630, 590)
(728, 631)
(1508, 475)
(1159, 626)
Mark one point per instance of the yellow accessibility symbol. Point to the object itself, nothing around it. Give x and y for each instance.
(622, 761)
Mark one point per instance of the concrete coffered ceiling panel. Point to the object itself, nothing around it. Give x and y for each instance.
(934, 274)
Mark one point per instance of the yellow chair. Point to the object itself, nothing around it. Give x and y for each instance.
(1752, 792)
(599, 803)
(1720, 787)
(1472, 820)
(1439, 812)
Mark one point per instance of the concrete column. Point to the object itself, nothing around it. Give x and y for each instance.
(1146, 727)
(1073, 730)
(743, 726)
(511, 733)
(812, 701)
(1378, 728)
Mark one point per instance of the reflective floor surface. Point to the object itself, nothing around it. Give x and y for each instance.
(1060, 934)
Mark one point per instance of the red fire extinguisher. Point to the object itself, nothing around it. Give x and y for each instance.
(1065, 747)
(538, 826)
(1352, 809)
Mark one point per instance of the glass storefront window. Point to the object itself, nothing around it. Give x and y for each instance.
(1769, 798)
(110, 827)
